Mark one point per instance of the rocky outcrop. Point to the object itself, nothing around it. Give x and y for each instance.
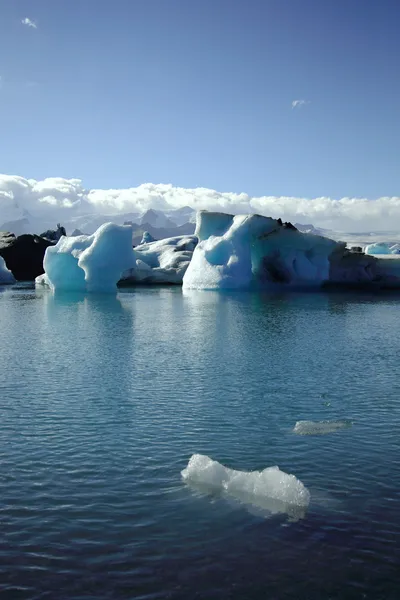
(24, 254)
(54, 234)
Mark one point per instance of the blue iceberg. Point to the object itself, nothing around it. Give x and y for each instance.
(5, 274)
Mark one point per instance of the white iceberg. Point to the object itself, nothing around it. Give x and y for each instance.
(270, 489)
(5, 274)
(320, 427)
(92, 263)
(161, 261)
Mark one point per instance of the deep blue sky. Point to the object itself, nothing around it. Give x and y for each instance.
(199, 93)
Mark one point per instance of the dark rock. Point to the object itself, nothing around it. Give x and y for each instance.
(54, 234)
(289, 225)
(279, 221)
(23, 254)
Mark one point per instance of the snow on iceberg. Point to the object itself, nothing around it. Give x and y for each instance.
(271, 488)
(320, 427)
(162, 261)
(5, 274)
(92, 263)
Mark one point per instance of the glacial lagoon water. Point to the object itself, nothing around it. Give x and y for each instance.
(104, 399)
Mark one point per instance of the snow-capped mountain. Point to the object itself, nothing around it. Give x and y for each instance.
(309, 228)
(20, 221)
(156, 218)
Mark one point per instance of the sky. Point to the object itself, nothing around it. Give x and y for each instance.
(285, 98)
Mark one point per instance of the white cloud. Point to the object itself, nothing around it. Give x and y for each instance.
(29, 23)
(299, 103)
(58, 199)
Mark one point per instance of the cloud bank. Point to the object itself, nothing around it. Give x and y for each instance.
(57, 199)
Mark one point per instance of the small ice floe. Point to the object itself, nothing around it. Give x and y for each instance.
(320, 427)
(271, 490)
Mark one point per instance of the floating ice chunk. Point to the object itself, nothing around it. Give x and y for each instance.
(245, 251)
(320, 427)
(270, 489)
(90, 263)
(378, 248)
(97, 262)
(146, 238)
(252, 251)
(5, 274)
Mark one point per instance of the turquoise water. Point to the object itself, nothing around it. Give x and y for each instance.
(104, 399)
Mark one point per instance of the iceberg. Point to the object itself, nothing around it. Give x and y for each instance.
(161, 261)
(378, 248)
(320, 427)
(256, 252)
(382, 248)
(5, 274)
(146, 238)
(246, 251)
(226, 252)
(97, 262)
(270, 489)
(92, 263)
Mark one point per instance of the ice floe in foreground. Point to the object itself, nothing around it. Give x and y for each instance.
(270, 489)
(320, 427)
(5, 275)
